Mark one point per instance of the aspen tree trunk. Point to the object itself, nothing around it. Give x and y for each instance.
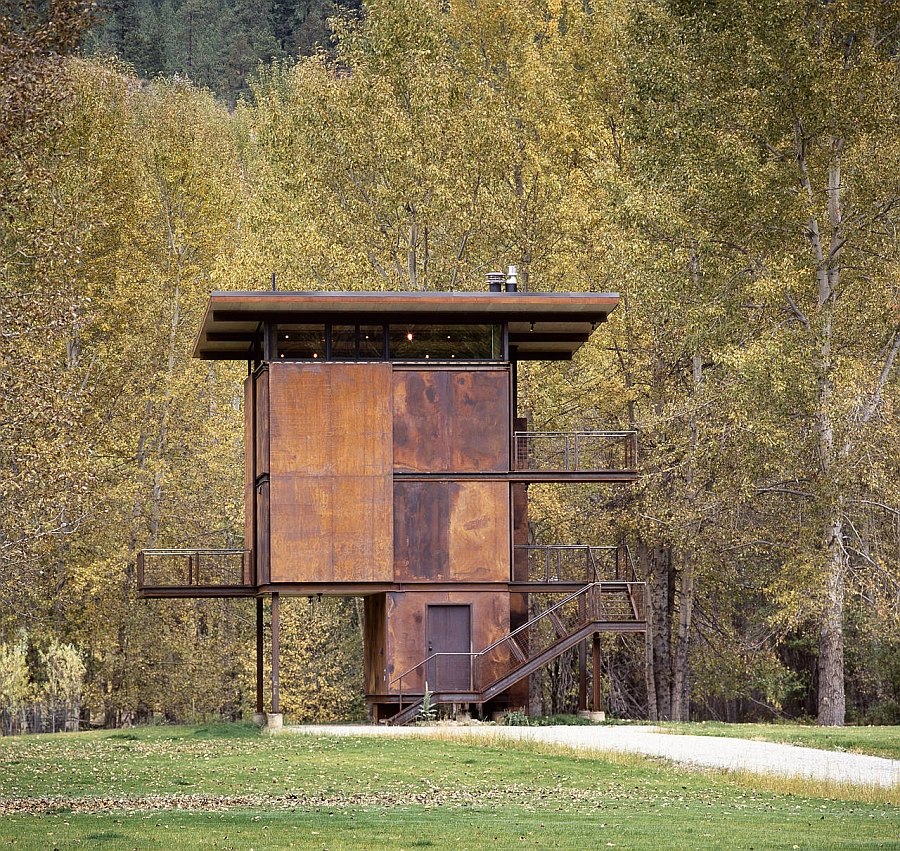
(412, 260)
(831, 630)
(656, 562)
(649, 661)
(661, 639)
(681, 702)
(831, 703)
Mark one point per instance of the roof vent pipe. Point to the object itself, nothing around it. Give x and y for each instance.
(512, 279)
(495, 281)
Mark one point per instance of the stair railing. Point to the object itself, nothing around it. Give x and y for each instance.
(590, 591)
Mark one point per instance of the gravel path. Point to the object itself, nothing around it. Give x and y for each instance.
(703, 751)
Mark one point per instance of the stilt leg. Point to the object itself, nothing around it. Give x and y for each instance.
(582, 660)
(275, 719)
(260, 706)
(598, 691)
(259, 716)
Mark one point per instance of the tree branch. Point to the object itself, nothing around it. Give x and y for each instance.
(876, 397)
(796, 312)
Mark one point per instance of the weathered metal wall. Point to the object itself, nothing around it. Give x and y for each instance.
(249, 476)
(330, 470)
(451, 531)
(407, 629)
(449, 420)
(374, 639)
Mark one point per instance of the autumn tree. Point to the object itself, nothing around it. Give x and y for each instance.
(795, 106)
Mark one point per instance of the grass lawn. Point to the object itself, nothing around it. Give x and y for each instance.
(878, 741)
(230, 787)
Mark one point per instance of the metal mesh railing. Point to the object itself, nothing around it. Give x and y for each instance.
(577, 563)
(575, 451)
(196, 568)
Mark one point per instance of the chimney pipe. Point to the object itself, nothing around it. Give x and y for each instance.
(495, 281)
(512, 279)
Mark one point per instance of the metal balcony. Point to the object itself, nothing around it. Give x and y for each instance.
(578, 563)
(575, 451)
(194, 573)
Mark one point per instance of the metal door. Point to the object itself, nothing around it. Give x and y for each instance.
(449, 631)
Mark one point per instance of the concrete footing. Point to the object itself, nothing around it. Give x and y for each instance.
(593, 716)
(274, 722)
(259, 718)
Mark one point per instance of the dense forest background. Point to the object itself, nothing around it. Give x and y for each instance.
(217, 44)
(732, 169)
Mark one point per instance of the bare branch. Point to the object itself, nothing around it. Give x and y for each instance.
(796, 312)
(876, 397)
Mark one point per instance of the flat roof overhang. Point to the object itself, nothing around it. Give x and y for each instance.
(542, 326)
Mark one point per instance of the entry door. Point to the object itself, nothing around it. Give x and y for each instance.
(449, 631)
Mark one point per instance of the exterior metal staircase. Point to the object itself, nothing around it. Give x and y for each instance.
(606, 606)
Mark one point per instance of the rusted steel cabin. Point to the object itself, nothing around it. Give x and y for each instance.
(386, 458)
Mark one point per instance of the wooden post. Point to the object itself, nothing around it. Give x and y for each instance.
(259, 656)
(598, 691)
(276, 703)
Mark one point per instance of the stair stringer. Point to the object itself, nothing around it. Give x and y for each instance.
(525, 669)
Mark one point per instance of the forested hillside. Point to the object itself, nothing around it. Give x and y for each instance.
(732, 170)
(214, 43)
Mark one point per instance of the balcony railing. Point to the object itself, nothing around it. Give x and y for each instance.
(167, 568)
(575, 451)
(578, 563)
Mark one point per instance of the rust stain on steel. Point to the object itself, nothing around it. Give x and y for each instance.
(451, 421)
(421, 530)
(451, 531)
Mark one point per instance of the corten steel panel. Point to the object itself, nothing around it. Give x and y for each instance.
(406, 632)
(331, 480)
(301, 529)
(451, 421)
(262, 422)
(249, 476)
(331, 419)
(422, 530)
(263, 545)
(479, 531)
(330, 529)
(451, 531)
(375, 635)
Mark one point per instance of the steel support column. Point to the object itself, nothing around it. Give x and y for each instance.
(259, 655)
(276, 702)
(582, 661)
(598, 691)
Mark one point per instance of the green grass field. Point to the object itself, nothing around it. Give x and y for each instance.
(878, 741)
(230, 787)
